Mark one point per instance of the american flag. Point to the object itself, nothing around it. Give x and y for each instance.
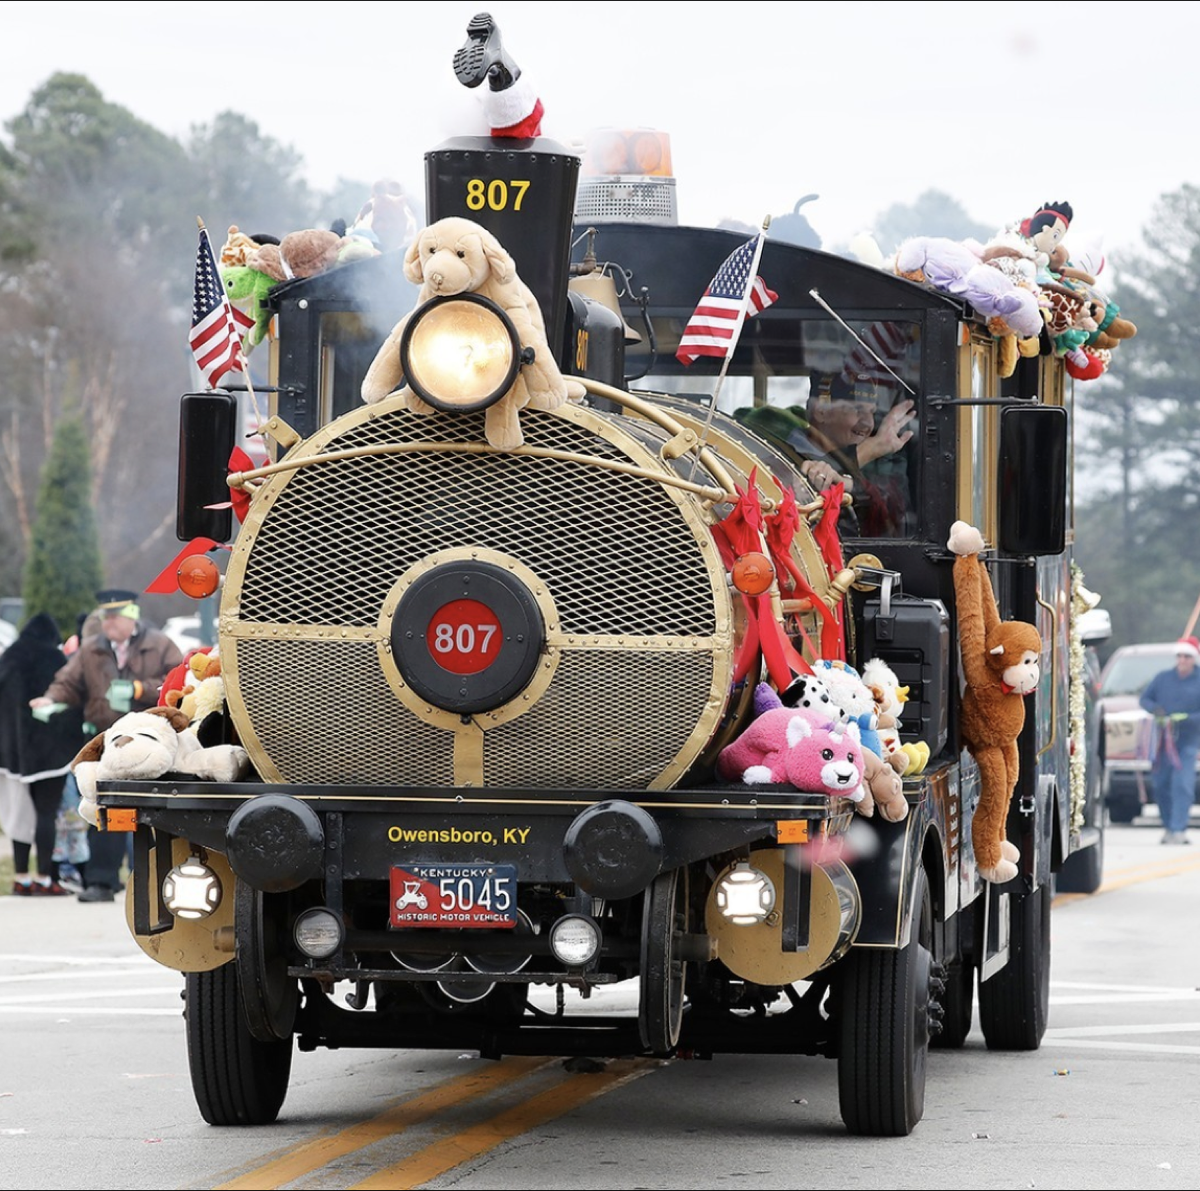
(217, 326)
(710, 330)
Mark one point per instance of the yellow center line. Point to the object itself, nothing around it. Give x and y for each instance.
(1135, 875)
(315, 1154)
(449, 1152)
(1167, 866)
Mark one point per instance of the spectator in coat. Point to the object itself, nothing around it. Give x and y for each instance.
(117, 670)
(34, 755)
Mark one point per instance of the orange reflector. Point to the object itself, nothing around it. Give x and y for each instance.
(753, 573)
(198, 576)
(791, 831)
(120, 818)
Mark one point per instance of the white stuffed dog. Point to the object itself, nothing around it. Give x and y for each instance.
(458, 256)
(146, 744)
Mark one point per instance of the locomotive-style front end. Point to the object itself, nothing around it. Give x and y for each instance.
(402, 608)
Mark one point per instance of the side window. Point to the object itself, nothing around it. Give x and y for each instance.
(348, 345)
(976, 467)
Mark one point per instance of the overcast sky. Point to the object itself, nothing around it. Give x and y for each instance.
(1002, 106)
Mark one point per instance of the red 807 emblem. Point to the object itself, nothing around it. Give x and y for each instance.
(464, 636)
(467, 635)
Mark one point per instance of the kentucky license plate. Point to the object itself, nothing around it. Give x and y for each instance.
(467, 895)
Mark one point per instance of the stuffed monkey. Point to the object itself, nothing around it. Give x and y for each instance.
(1000, 662)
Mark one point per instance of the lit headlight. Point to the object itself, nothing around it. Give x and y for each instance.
(460, 353)
(745, 895)
(575, 940)
(191, 889)
(318, 932)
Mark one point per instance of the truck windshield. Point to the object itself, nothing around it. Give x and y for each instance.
(818, 390)
(1130, 673)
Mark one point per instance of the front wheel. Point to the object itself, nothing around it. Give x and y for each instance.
(883, 1015)
(664, 920)
(270, 996)
(236, 1079)
(1015, 1003)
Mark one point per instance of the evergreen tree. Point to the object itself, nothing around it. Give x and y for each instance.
(64, 569)
(94, 315)
(1139, 437)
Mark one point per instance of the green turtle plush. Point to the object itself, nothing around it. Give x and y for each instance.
(247, 289)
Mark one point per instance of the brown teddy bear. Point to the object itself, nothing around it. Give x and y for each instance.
(458, 256)
(1000, 662)
(884, 789)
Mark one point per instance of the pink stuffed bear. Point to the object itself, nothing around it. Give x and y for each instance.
(785, 744)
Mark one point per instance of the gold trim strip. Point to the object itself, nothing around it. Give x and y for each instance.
(1053, 614)
(464, 801)
(661, 417)
(253, 631)
(246, 479)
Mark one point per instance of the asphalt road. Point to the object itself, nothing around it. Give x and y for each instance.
(94, 1086)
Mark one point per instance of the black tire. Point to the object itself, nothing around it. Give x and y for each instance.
(1083, 870)
(958, 1006)
(236, 1079)
(271, 997)
(883, 1007)
(1123, 810)
(664, 919)
(1014, 1004)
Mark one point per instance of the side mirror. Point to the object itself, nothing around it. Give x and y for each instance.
(1095, 626)
(1034, 449)
(207, 434)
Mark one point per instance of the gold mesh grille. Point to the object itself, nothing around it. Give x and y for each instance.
(613, 548)
(605, 708)
(620, 556)
(323, 713)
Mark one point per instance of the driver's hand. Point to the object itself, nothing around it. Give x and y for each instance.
(821, 475)
(892, 435)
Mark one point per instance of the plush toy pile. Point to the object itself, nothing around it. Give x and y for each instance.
(1036, 298)
(793, 746)
(143, 745)
(818, 738)
(252, 265)
(196, 686)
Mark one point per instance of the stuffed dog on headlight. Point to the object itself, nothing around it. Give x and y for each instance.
(458, 256)
(143, 745)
